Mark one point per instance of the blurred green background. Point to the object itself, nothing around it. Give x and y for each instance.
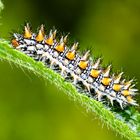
(31, 109)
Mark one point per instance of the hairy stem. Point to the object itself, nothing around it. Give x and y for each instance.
(125, 122)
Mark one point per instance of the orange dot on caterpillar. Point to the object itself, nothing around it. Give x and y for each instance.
(27, 32)
(95, 73)
(15, 43)
(40, 36)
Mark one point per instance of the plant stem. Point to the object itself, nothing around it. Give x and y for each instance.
(125, 122)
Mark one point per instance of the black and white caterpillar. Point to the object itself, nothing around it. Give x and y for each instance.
(96, 81)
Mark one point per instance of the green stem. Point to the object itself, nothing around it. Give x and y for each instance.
(125, 122)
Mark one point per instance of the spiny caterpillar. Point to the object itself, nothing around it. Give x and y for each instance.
(82, 70)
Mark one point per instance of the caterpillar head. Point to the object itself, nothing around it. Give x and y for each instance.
(17, 40)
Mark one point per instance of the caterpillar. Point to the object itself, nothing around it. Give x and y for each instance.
(83, 71)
